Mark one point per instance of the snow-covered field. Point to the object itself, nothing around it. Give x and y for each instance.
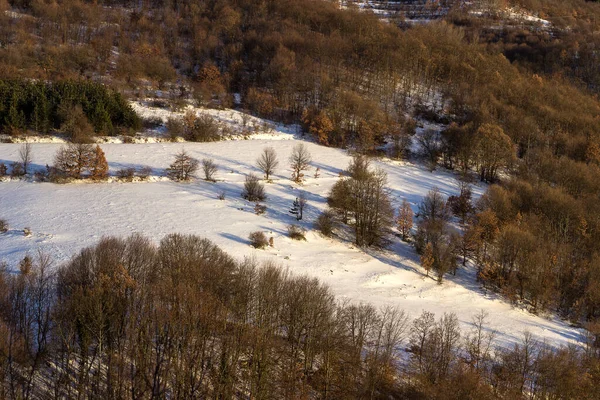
(66, 218)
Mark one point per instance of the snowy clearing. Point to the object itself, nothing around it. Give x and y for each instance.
(66, 218)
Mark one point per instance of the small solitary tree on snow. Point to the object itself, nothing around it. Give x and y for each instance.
(299, 160)
(183, 168)
(253, 189)
(26, 156)
(298, 207)
(210, 169)
(98, 165)
(267, 162)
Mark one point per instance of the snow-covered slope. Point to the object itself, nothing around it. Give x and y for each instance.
(66, 218)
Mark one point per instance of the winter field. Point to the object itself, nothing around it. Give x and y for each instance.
(66, 218)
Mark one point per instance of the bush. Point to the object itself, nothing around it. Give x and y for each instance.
(260, 209)
(221, 195)
(3, 226)
(253, 189)
(41, 176)
(17, 169)
(27, 231)
(258, 240)
(174, 128)
(296, 232)
(210, 169)
(126, 174)
(144, 172)
(326, 223)
(203, 129)
(152, 122)
(3, 169)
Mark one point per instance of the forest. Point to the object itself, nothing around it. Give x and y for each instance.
(519, 110)
(128, 318)
(41, 107)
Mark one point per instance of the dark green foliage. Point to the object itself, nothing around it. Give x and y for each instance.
(37, 106)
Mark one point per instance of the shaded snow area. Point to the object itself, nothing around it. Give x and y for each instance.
(238, 123)
(66, 218)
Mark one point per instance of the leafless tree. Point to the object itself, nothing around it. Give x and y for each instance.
(430, 146)
(299, 160)
(26, 156)
(268, 162)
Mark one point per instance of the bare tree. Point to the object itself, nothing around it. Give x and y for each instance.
(430, 146)
(365, 197)
(479, 342)
(26, 156)
(183, 168)
(268, 162)
(209, 168)
(405, 219)
(299, 160)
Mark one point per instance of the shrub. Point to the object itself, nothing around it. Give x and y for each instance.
(17, 169)
(259, 209)
(174, 128)
(126, 174)
(296, 232)
(3, 169)
(41, 176)
(210, 169)
(253, 189)
(152, 122)
(221, 195)
(204, 128)
(144, 172)
(27, 231)
(326, 223)
(258, 240)
(3, 226)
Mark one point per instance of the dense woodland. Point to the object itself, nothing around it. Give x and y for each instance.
(42, 107)
(518, 105)
(131, 319)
